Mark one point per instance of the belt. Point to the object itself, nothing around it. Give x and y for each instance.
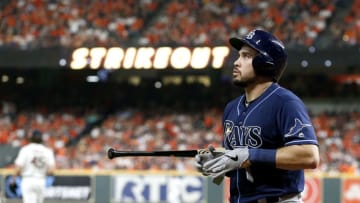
(267, 200)
(276, 199)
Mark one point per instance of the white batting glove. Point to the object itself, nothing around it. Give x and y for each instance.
(232, 159)
(202, 158)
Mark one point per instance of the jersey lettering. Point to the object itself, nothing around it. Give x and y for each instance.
(238, 136)
(253, 136)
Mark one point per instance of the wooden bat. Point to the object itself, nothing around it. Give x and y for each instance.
(113, 153)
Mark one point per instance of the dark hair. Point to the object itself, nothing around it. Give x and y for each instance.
(36, 136)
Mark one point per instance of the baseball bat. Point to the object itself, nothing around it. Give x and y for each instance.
(113, 153)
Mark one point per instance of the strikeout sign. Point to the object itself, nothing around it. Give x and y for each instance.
(149, 57)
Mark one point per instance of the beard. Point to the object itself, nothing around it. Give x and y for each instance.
(244, 83)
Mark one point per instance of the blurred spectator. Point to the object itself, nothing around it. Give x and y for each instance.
(210, 22)
(29, 24)
(345, 31)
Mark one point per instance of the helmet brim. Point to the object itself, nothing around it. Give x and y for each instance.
(237, 43)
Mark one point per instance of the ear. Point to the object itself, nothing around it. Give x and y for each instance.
(264, 65)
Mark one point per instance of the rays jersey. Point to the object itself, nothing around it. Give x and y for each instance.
(35, 159)
(275, 119)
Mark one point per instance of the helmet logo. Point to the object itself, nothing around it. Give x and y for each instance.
(250, 35)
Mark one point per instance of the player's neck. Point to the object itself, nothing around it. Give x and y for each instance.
(252, 92)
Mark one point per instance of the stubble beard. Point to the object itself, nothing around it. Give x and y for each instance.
(243, 83)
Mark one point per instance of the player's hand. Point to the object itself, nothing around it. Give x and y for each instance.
(232, 159)
(200, 159)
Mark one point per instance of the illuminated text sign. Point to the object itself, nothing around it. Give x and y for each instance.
(149, 58)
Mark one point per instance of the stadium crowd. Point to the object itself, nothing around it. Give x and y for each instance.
(160, 129)
(80, 136)
(347, 28)
(29, 24)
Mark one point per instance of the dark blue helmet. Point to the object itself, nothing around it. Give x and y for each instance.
(36, 136)
(272, 58)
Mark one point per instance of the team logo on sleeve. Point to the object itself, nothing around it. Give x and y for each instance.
(296, 128)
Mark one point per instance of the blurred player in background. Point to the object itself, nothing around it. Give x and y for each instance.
(33, 163)
(268, 135)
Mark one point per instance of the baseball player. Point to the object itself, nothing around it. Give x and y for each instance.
(33, 163)
(268, 135)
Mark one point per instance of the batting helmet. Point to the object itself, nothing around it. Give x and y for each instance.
(272, 58)
(36, 136)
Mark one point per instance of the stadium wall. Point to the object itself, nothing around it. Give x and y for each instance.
(113, 186)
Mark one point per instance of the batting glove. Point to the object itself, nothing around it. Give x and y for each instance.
(202, 158)
(232, 159)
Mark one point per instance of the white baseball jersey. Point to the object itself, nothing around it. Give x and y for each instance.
(35, 159)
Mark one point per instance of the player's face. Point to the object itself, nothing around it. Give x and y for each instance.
(243, 72)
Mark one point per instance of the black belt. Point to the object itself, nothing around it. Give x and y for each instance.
(268, 200)
(274, 199)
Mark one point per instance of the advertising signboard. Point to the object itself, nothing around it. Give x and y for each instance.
(158, 188)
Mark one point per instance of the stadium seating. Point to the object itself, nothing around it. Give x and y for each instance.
(186, 116)
(162, 129)
(34, 24)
